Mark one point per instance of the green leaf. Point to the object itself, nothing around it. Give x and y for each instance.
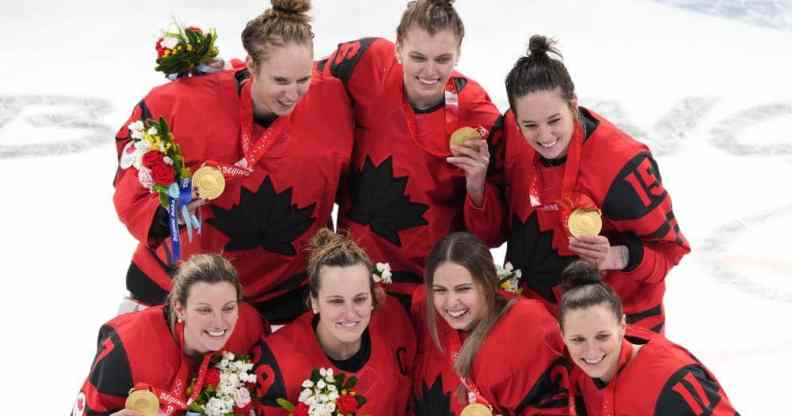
(351, 382)
(285, 404)
(360, 400)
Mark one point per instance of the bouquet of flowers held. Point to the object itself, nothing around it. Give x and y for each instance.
(509, 278)
(157, 157)
(185, 51)
(326, 394)
(226, 389)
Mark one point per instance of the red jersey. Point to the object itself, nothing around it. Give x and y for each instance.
(287, 357)
(262, 222)
(663, 379)
(403, 195)
(139, 347)
(519, 369)
(616, 175)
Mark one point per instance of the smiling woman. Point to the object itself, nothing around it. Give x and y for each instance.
(160, 348)
(255, 129)
(408, 185)
(481, 349)
(628, 368)
(349, 329)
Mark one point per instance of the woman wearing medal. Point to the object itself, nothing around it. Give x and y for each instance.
(575, 186)
(626, 370)
(248, 134)
(350, 330)
(146, 360)
(482, 351)
(408, 182)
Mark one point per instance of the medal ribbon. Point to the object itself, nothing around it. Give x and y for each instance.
(566, 204)
(173, 400)
(252, 150)
(450, 110)
(473, 395)
(179, 195)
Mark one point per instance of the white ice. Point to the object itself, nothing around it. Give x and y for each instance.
(708, 88)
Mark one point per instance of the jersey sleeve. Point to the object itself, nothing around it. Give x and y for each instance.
(489, 222)
(137, 207)
(360, 64)
(270, 385)
(692, 391)
(639, 208)
(110, 379)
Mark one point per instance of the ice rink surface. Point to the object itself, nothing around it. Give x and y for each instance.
(705, 83)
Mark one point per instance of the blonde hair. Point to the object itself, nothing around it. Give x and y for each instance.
(432, 16)
(206, 268)
(285, 22)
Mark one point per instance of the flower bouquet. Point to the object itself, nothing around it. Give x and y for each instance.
(226, 389)
(326, 394)
(509, 278)
(157, 157)
(185, 51)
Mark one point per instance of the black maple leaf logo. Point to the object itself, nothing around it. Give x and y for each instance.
(433, 401)
(379, 201)
(265, 219)
(531, 251)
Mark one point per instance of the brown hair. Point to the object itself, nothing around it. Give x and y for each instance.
(285, 22)
(466, 250)
(206, 268)
(432, 16)
(537, 71)
(583, 288)
(331, 249)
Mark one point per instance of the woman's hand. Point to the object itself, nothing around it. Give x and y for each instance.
(472, 157)
(597, 249)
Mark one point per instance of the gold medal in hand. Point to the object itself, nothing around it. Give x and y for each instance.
(143, 402)
(476, 409)
(208, 182)
(585, 222)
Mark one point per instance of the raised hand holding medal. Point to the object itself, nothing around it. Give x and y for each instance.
(142, 401)
(471, 154)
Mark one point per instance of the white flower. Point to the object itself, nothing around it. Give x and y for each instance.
(307, 384)
(170, 40)
(152, 131)
(323, 371)
(321, 384)
(144, 176)
(382, 273)
(305, 395)
(241, 397)
(167, 160)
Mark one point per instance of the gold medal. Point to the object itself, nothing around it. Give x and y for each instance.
(463, 134)
(143, 402)
(209, 182)
(585, 222)
(476, 409)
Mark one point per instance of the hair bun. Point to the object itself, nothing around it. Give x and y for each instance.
(540, 46)
(291, 8)
(580, 273)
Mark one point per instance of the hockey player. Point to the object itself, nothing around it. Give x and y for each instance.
(349, 331)
(164, 348)
(282, 148)
(562, 167)
(408, 183)
(625, 370)
(480, 349)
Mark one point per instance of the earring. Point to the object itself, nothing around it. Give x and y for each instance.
(179, 319)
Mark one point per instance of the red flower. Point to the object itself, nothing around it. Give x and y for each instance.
(194, 29)
(244, 411)
(347, 404)
(162, 173)
(152, 158)
(300, 410)
(160, 49)
(213, 377)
